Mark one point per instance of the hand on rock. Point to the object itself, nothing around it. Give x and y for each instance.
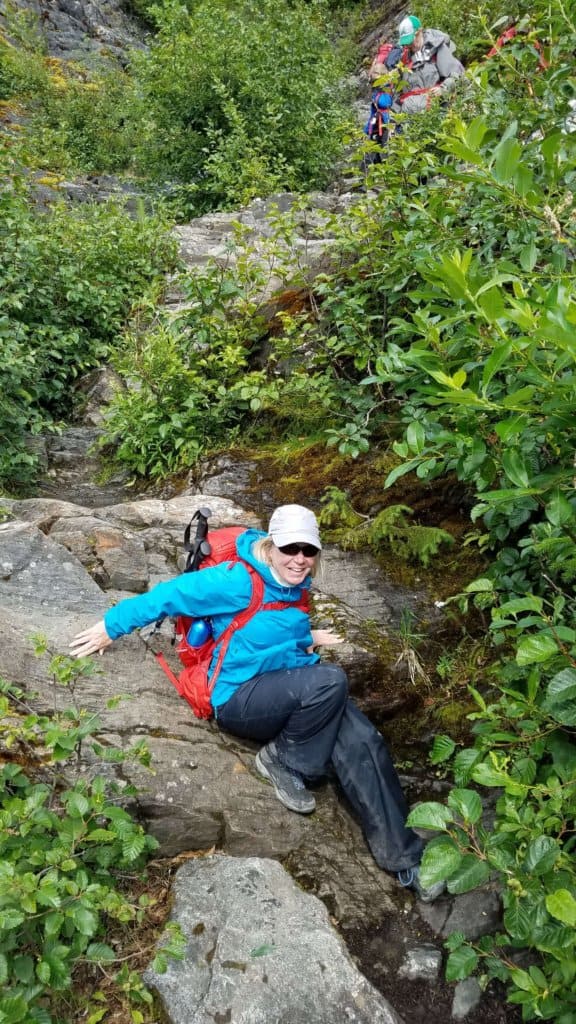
(325, 638)
(90, 641)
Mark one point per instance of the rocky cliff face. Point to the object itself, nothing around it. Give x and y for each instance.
(77, 30)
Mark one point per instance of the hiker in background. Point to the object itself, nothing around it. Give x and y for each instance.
(430, 65)
(273, 688)
(386, 76)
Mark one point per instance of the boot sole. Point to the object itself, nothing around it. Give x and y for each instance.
(280, 793)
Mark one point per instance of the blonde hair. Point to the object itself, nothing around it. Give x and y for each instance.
(261, 550)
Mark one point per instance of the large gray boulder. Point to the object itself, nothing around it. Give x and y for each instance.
(260, 951)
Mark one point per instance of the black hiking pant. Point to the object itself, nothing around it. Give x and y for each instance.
(316, 728)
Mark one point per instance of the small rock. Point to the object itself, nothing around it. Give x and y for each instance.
(467, 996)
(422, 963)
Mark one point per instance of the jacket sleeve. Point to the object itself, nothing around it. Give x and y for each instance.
(213, 591)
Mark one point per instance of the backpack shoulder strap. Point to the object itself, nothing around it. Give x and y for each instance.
(240, 619)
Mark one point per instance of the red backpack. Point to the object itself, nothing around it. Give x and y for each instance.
(213, 548)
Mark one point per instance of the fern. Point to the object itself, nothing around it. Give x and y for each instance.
(337, 513)
(390, 530)
(559, 555)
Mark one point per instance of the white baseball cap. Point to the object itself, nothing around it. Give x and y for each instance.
(293, 524)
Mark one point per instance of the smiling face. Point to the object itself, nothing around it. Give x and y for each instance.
(292, 569)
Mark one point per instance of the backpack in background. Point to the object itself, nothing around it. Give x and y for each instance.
(379, 124)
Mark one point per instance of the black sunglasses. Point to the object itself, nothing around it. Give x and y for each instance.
(308, 550)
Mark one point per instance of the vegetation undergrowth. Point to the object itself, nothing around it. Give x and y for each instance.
(72, 862)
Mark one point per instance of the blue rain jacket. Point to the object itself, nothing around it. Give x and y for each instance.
(270, 640)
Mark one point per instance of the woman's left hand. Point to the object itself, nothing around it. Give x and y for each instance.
(325, 638)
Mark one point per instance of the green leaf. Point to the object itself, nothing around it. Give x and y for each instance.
(519, 919)
(100, 835)
(441, 858)
(429, 816)
(464, 763)
(491, 302)
(442, 748)
(99, 952)
(467, 804)
(133, 846)
(528, 256)
(481, 586)
(519, 399)
(471, 873)
(559, 511)
(97, 1015)
(77, 805)
(541, 855)
(52, 924)
(563, 755)
(523, 980)
(400, 471)
(562, 906)
(264, 950)
(475, 133)
(84, 920)
(494, 363)
(530, 603)
(561, 687)
(536, 649)
(523, 180)
(461, 964)
(416, 437)
(515, 468)
(489, 775)
(23, 967)
(10, 919)
(13, 1009)
(507, 154)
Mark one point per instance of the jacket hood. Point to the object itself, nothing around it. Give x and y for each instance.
(434, 38)
(283, 591)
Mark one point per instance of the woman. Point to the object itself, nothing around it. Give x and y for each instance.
(273, 688)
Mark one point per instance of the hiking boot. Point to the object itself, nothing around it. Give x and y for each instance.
(410, 879)
(287, 782)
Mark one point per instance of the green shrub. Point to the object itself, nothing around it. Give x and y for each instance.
(80, 122)
(22, 71)
(67, 845)
(251, 85)
(68, 280)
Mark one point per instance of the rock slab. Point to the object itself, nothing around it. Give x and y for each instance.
(247, 963)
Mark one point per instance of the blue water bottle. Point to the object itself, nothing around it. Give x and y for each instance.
(200, 631)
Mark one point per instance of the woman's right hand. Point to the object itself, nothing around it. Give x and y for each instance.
(90, 641)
